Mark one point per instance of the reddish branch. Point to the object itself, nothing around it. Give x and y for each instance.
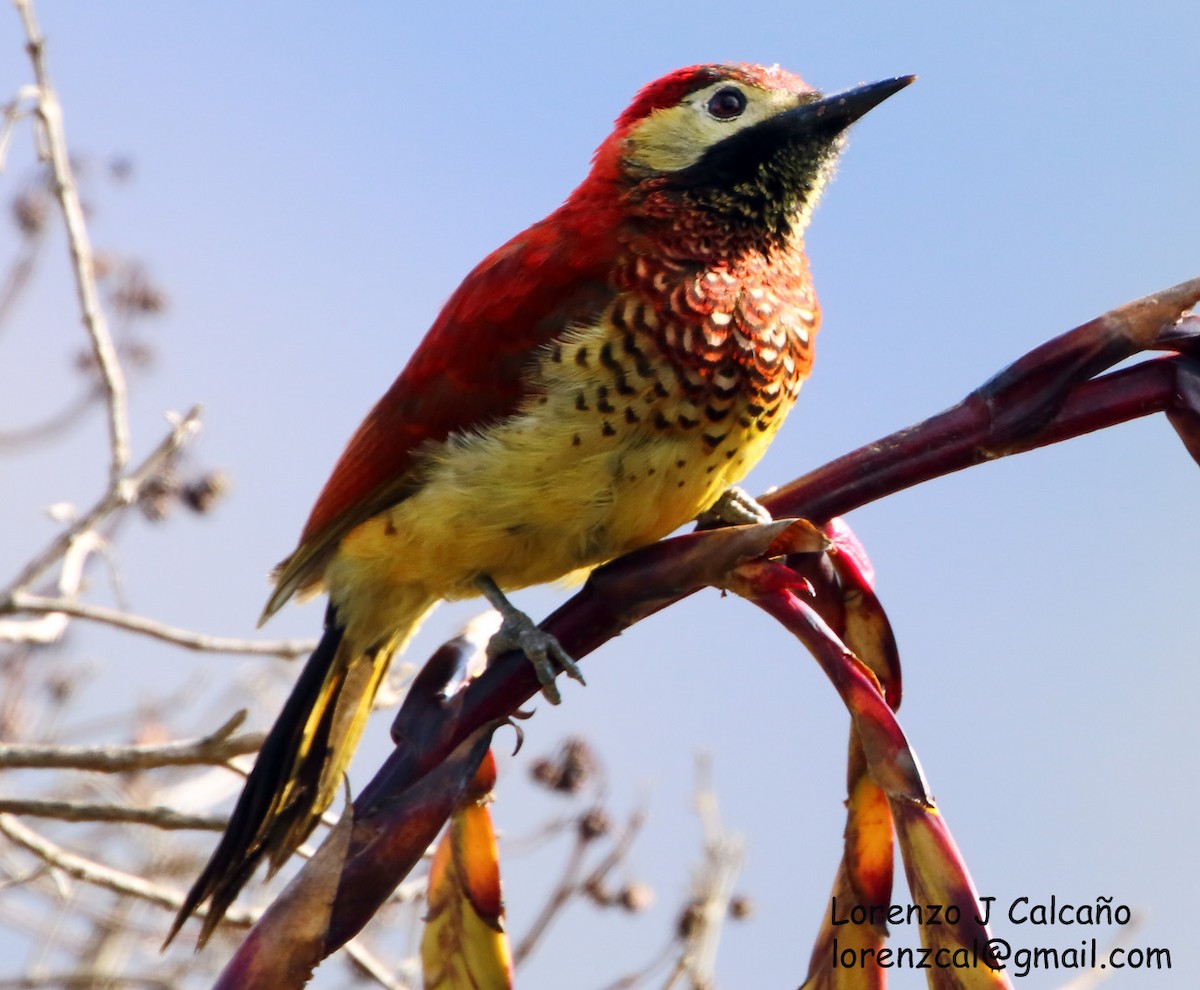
(1055, 392)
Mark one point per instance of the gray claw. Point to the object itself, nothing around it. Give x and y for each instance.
(519, 632)
(733, 508)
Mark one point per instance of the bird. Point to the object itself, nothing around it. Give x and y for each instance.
(598, 381)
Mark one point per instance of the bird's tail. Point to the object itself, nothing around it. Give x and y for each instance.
(298, 770)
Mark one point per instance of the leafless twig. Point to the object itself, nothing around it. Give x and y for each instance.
(723, 854)
(573, 882)
(78, 811)
(84, 980)
(287, 649)
(99, 875)
(60, 421)
(16, 108)
(215, 748)
(18, 277)
(51, 626)
(49, 113)
(127, 884)
(1092, 978)
(120, 494)
(668, 954)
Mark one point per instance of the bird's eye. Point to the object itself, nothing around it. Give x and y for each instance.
(727, 103)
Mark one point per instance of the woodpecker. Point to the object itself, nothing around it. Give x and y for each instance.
(595, 383)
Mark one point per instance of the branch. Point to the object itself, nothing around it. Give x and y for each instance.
(723, 855)
(287, 649)
(215, 748)
(19, 274)
(13, 111)
(49, 112)
(84, 980)
(122, 492)
(51, 626)
(1047, 396)
(568, 886)
(574, 882)
(129, 885)
(78, 545)
(397, 815)
(57, 423)
(99, 875)
(73, 811)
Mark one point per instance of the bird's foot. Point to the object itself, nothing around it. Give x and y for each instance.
(519, 632)
(733, 508)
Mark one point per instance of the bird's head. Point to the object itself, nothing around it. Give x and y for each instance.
(742, 149)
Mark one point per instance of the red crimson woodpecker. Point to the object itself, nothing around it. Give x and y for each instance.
(593, 384)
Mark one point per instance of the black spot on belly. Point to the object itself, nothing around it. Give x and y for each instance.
(608, 430)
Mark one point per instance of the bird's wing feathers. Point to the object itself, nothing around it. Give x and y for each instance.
(468, 372)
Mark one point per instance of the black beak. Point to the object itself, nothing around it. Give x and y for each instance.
(832, 114)
(809, 133)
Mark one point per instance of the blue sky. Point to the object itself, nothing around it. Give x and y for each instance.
(313, 180)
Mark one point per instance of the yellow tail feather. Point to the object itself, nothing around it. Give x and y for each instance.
(298, 770)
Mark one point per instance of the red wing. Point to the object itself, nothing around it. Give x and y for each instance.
(466, 373)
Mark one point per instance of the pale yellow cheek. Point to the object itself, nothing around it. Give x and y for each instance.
(672, 138)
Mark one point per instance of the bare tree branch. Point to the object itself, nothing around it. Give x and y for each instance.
(129, 885)
(99, 875)
(568, 886)
(287, 649)
(49, 113)
(575, 882)
(370, 964)
(59, 422)
(723, 855)
(121, 493)
(85, 980)
(78, 811)
(215, 748)
(52, 625)
(44, 617)
(14, 110)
